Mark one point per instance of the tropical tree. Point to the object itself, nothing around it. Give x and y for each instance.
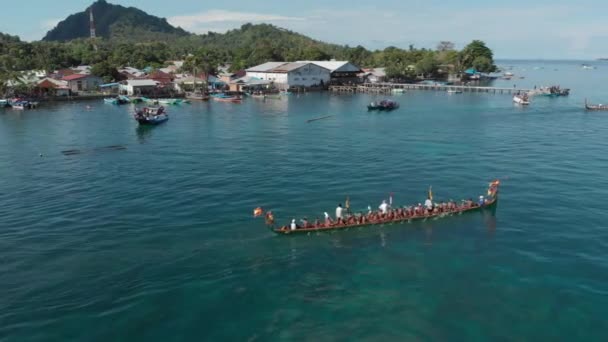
(473, 51)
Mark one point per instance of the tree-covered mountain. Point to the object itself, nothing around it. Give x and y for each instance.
(115, 22)
(130, 37)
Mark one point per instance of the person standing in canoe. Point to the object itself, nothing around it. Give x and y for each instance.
(383, 207)
(339, 211)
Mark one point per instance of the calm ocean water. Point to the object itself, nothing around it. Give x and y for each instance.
(156, 242)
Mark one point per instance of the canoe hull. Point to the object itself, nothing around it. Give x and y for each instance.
(487, 206)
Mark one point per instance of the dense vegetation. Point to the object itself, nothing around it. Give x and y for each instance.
(114, 21)
(130, 37)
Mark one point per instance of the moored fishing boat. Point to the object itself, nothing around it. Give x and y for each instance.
(23, 104)
(4, 103)
(168, 101)
(197, 96)
(226, 98)
(118, 100)
(396, 215)
(597, 107)
(151, 115)
(397, 90)
(521, 99)
(552, 91)
(383, 105)
(454, 91)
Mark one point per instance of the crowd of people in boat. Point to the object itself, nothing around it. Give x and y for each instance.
(385, 213)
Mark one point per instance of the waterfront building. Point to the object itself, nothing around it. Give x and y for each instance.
(138, 87)
(340, 71)
(51, 87)
(374, 75)
(248, 83)
(286, 75)
(82, 82)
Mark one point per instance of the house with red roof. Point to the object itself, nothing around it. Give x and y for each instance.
(82, 82)
(161, 78)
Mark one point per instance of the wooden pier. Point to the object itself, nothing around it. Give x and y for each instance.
(384, 88)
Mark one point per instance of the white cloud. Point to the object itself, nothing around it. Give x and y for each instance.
(222, 20)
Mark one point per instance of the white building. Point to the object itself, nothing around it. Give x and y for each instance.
(138, 87)
(285, 75)
(340, 71)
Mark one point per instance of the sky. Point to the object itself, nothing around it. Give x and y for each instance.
(539, 29)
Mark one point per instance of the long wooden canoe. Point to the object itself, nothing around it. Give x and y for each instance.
(489, 204)
(596, 107)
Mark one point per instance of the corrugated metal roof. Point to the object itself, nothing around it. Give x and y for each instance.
(333, 66)
(287, 67)
(142, 83)
(266, 67)
(74, 77)
(248, 80)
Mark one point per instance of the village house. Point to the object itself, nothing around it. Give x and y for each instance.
(82, 82)
(228, 77)
(374, 75)
(138, 87)
(248, 83)
(286, 75)
(131, 73)
(52, 87)
(161, 78)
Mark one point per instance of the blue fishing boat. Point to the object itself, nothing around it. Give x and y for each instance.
(151, 115)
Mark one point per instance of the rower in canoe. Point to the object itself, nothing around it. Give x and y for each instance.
(396, 215)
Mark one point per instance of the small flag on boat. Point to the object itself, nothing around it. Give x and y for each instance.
(258, 211)
(431, 193)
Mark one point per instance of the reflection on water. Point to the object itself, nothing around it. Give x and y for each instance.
(143, 133)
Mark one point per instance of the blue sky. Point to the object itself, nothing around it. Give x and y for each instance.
(513, 29)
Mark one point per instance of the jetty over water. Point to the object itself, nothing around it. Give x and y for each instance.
(383, 88)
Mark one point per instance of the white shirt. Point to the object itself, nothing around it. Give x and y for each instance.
(293, 225)
(326, 215)
(339, 212)
(383, 207)
(428, 204)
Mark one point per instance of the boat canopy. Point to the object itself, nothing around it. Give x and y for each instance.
(471, 71)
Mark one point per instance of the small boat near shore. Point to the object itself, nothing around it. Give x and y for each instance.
(387, 105)
(151, 115)
(169, 101)
(454, 91)
(198, 96)
(521, 99)
(392, 216)
(118, 100)
(226, 98)
(597, 107)
(23, 104)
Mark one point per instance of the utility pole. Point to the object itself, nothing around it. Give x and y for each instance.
(92, 27)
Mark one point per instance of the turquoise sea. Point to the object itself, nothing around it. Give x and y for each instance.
(156, 242)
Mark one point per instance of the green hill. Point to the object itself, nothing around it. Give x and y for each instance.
(115, 22)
